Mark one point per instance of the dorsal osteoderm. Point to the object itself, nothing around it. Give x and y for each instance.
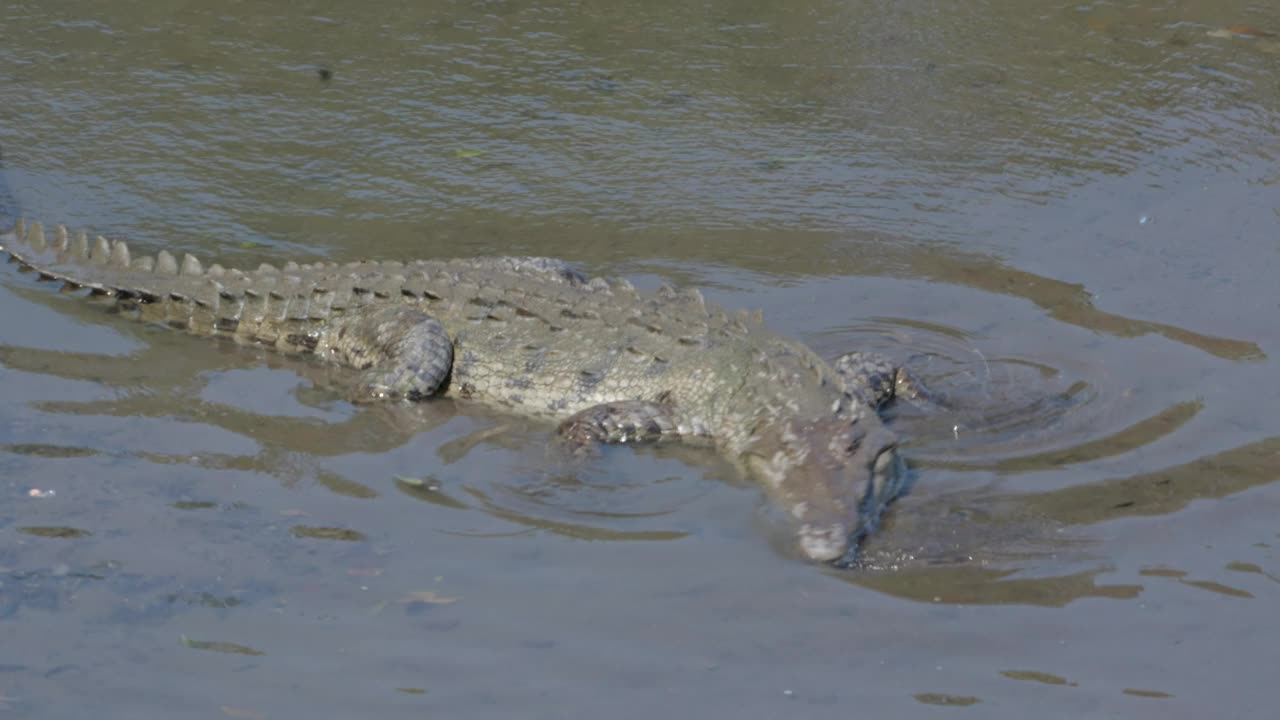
(102, 265)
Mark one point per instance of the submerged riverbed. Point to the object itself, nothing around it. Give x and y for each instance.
(1064, 217)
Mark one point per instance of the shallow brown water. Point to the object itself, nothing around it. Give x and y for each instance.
(1064, 215)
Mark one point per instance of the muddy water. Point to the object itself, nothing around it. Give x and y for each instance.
(1063, 216)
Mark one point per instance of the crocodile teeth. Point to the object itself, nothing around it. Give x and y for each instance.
(60, 239)
(143, 264)
(166, 264)
(100, 252)
(267, 269)
(191, 266)
(119, 255)
(19, 228)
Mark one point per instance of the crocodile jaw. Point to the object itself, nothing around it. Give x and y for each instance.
(838, 542)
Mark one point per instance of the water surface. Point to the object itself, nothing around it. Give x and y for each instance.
(1062, 216)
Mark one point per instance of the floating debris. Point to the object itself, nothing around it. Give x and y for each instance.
(1244, 31)
(946, 699)
(220, 646)
(326, 533)
(421, 483)
(429, 597)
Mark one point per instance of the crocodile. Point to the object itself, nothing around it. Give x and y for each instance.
(536, 337)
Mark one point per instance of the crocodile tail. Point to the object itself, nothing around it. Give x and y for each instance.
(106, 267)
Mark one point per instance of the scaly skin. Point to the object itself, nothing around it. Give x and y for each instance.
(534, 337)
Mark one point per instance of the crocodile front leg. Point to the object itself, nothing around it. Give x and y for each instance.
(876, 380)
(402, 352)
(622, 422)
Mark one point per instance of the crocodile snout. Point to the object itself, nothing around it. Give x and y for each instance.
(830, 529)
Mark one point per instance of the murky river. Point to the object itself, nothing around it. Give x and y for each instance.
(1065, 217)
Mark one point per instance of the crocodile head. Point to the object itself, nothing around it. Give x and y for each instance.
(833, 478)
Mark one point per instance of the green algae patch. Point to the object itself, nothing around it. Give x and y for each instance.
(220, 646)
(326, 533)
(946, 699)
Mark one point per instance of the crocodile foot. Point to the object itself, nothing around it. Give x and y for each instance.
(402, 353)
(621, 422)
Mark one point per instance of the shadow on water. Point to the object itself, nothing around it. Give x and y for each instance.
(294, 434)
(783, 254)
(963, 547)
(972, 547)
